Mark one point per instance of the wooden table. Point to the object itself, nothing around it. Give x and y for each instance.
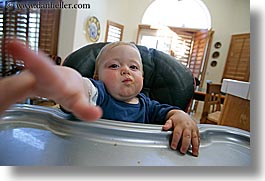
(199, 95)
(236, 112)
(236, 104)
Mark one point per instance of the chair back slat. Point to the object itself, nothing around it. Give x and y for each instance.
(212, 101)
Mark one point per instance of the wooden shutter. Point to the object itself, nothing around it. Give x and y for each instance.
(23, 25)
(237, 65)
(181, 44)
(37, 28)
(114, 32)
(195, 44)
(200, 53)
(49, 30)
(189, 46)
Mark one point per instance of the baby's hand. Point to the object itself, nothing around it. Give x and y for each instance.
(185, 130)
(61, 84)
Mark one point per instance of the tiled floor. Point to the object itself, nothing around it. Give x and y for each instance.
(196, 115)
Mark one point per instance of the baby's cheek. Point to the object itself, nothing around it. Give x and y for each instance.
(110, 81)
(108, 77)
(139, 81)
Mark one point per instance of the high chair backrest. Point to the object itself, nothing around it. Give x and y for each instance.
(165, 79)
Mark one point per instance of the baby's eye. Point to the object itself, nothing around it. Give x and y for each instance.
(114, 66)
(134, 67)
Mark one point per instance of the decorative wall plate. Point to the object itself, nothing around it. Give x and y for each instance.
(213, 63)
(215, 54)
(217, 45)
(93, 29)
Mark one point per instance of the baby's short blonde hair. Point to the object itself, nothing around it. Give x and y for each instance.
(108, 47)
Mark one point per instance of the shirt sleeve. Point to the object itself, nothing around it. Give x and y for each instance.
(157, 112)
(91, 90)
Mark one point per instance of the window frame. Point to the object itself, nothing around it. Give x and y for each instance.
(118, 27)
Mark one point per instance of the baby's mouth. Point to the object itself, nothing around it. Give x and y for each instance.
(127, 80)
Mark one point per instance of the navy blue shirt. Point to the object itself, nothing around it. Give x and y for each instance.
(146, 111)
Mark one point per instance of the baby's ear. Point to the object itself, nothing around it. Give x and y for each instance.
(95, 77)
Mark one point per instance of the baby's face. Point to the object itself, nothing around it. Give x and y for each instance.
(121, 71)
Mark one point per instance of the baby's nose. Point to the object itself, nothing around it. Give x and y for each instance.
(125, 70)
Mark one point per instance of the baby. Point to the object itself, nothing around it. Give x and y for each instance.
(116, 86)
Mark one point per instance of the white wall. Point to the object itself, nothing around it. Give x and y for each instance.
(66, 31)
(132, 13)
(125, 12)
(228, 17)
(73, 21)
(98, 8)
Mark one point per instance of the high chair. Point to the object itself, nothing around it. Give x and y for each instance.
(166, 80)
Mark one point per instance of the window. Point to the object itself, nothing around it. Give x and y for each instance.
(168, 25)
(178, 13)
(114, 32)
(189, 46)
(37, 28)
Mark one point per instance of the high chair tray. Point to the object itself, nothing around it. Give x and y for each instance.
(35, 135)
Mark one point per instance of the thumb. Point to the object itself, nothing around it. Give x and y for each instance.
(85, 111)
(168, 125)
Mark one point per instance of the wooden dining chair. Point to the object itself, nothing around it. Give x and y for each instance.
(212, 104)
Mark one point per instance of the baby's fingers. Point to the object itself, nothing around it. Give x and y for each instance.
(186, 141)
(35, 62)
(39, 64)
(82, 109)
(195, 143)
(176, 137)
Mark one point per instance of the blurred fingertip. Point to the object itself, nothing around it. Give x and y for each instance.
(99, 111)
(95, 113)
(195, 154)
(173, 147)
